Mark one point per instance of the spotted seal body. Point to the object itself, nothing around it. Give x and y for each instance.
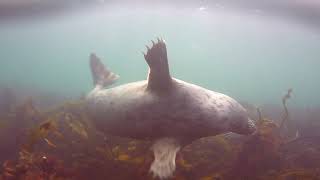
(169, 111)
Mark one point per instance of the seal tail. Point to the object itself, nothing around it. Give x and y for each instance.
(101, 75)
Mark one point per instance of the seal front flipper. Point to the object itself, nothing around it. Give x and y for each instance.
(102, 76)
(159, 78)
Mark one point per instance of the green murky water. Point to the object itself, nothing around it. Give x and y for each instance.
(247, 56)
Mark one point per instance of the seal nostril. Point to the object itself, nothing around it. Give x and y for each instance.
(251, 127)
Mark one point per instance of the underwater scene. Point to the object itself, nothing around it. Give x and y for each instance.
(150, 89)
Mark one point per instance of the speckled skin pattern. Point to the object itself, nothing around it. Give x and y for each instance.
(186, 112)
(168, 111)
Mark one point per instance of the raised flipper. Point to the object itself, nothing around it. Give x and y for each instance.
(159, 78)
(102, 76)
(165, 151)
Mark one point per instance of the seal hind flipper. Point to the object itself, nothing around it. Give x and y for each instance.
(159, 78)
(101, 75)
(165, 151)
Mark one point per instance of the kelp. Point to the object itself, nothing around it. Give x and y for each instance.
(260, 152)
(38, 133)
(284, 103)
(299, 174)
(61, 143)
(285, 120)
(35, 167)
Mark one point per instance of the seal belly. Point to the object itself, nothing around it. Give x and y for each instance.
(133, 111)
(122, 110)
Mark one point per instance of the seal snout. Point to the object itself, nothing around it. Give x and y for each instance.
(250, 128)
(244, 127)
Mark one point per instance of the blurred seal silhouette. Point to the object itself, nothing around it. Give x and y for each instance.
(168, 111)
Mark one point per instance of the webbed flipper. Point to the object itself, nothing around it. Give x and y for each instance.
(101, 75)
(159, 78)
(165, 151)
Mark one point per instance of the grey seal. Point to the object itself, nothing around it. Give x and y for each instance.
(168, 111)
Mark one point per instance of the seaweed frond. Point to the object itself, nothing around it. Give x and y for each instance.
(285, 116)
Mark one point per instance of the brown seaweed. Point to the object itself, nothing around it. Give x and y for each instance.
(61, 143)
